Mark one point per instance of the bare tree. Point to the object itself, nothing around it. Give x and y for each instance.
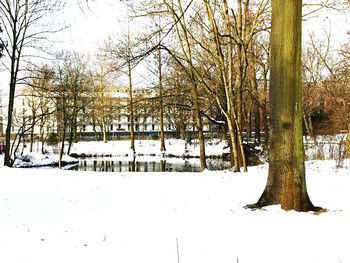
(120, 55)
(160, 95)
(103, 104)
(24, 26)
(70, 94)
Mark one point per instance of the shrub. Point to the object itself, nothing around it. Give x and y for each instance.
(52, 139)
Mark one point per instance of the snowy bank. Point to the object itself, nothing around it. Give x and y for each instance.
(174, 147)
(39, 160)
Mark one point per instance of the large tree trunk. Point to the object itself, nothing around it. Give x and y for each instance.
(286, 184)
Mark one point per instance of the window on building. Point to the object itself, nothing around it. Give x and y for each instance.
(111, 127)
(145, 127)
(153, 127)
(84, 127)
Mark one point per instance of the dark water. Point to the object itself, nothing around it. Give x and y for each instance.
(115, 165)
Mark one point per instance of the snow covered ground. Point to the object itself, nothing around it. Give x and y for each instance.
(48, 215)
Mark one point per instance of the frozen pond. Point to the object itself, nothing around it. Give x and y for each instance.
(146, 164)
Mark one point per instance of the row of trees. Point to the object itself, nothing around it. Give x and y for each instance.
(57, 97)
(220, 51)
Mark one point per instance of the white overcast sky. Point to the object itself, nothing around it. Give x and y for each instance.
(91, 25)
(89, 28)
(105, 16)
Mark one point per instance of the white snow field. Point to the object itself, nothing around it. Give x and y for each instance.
(55, 216)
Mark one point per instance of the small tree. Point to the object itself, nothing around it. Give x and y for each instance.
(120, 55)
(70, 94)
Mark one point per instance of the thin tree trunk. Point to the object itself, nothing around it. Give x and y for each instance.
(233, 146)
(227, 82)
(94, 129)
(255, 92)
(306, 123)
(161, 109)
(194, 89)
(71, 136)
(61, 148)
(104, 129)
(265, 110)
(347, 153)
(32, 133)
(7, 160)
(42, 138)
(199, 125)
(131, 108)
(75, 128)
(238, 83)
(311, 127)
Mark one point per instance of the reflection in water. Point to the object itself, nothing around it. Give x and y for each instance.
(101, 165)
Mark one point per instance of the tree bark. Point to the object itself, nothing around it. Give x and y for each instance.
(71, 136)
(7, 160)
(104, 129)
(32, 131)
(42, 137)
(161, 109)
(286, 184)
(187, 51)
(131, 108)
(61, 148)
(265, 109)
(347, 145)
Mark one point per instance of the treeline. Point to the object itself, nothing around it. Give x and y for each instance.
(208, 61)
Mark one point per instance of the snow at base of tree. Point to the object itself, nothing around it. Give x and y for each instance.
(50, 215)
